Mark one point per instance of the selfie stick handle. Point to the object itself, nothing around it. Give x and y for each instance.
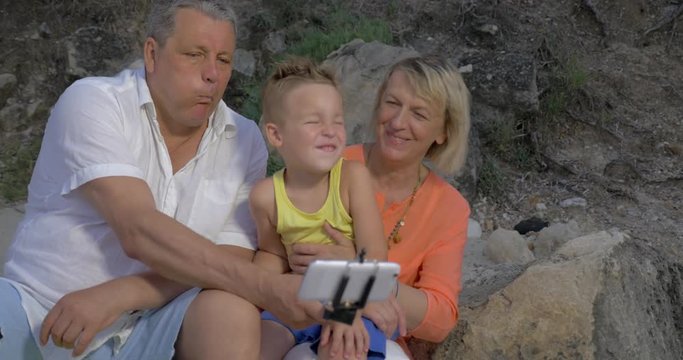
(361, 255)
(336, 301)
(366, 293)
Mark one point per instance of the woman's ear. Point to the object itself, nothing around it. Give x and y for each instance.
(441, 138)
(273, 135)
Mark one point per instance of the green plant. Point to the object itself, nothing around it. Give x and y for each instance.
(492, 180)
(275, 163)
(393, 8)
(575, 76)
(17, 161)
(566, 81)
(341, 27)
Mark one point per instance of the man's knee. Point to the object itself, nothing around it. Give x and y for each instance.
(16, 339)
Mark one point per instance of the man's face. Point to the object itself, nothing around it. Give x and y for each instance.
(188, 75)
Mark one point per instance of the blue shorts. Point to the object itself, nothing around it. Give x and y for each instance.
(378, 341)
(153, 337)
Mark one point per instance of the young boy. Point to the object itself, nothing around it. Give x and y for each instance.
(303, 120)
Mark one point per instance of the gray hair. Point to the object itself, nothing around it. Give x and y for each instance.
(161, 18)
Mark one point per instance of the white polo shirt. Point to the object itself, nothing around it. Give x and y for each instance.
(106, 126)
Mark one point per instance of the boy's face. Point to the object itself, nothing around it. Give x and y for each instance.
(188, 75)
(310, 134)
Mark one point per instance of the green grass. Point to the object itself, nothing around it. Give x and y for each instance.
(492, 181)
(17, 166)
(341, 27)
(567, 79)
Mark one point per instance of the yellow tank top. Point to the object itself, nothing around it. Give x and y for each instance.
(296, 226)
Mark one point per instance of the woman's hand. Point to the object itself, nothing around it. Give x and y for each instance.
(304, 254)
(387, 316)
(78, 316)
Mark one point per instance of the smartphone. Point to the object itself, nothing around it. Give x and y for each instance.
(323, 278)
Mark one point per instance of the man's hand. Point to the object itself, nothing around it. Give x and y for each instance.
(284, 303)
(303, 254)
(77, 317)
(387, 315)
(349, 341)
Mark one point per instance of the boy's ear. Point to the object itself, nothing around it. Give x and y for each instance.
(273, 135)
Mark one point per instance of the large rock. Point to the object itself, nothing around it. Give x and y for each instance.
(93, 50)
(601, 296)
(8, 83)
(506, 81)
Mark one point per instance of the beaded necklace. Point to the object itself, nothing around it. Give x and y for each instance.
(394, 237)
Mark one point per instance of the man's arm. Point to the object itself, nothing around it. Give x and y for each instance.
(78, 316)
(178, 253)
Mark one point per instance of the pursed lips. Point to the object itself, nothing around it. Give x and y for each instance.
(204, 99)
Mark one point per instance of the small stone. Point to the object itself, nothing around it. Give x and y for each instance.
(507, 246)
(473, 230)
(488, 29)
(466, 69)
(532, 224)
(577, 202)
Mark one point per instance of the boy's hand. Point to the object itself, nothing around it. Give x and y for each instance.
(345, 341)
(304, 254)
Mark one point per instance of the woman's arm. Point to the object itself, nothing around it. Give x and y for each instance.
(431, 304)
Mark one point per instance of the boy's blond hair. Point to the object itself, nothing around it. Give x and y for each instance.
(287, 75)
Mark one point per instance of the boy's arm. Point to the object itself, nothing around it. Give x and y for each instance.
(367, 222)
(271, 254)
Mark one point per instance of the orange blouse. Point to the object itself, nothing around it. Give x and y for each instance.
(431, 250)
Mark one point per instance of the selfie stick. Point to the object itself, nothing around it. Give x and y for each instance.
(345, 312)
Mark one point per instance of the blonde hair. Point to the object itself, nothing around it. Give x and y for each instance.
(438, 82)
(287, 75)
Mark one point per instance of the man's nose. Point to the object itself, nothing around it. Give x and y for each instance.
(210, 71)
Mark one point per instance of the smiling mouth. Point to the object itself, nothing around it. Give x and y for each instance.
(396, 139)
(327, 148)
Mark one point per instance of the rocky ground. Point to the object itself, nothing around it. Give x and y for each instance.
(577, 107)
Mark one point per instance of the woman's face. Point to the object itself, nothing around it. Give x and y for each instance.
(407, 125)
